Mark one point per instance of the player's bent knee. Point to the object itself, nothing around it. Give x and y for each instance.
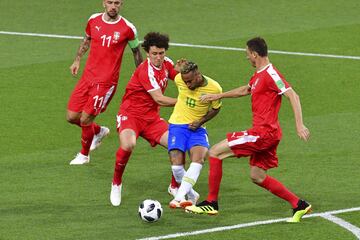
(128, 145)
(256, 178)
(72, 119)
(214, 152)
(86, 120)
(176, 157)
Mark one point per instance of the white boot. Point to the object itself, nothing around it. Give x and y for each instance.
(96, 142)
(80, 159)
(115, 195)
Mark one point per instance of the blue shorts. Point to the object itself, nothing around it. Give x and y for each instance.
(181, 137)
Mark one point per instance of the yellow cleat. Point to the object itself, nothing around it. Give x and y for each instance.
(205, 207)
(302, 209)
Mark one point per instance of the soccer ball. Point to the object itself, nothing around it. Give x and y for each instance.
(150, 210)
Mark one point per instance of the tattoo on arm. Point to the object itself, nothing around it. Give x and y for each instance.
(137, 56)
(84, 46)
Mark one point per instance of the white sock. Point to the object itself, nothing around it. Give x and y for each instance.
(191, 193)
(178, 172)
(188, 180)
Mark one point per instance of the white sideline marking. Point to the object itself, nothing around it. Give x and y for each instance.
(41, 35)
(348, 226)
(251, 224)
(194, 46)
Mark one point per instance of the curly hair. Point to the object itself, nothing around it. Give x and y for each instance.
(188, 67)
(155, 39)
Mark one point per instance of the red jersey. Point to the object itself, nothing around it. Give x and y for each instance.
(108, 42)
(267, 86)
(137, 101)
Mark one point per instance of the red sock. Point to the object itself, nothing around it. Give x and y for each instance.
(96, 128)
(215, 175)
(278, 189)
(174, 184)
(87, 135)
(122, 157)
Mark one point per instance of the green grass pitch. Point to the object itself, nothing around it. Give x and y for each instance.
(42, 197)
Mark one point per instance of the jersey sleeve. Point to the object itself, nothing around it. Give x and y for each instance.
(251, 81)
(90, 22)
(170, 67)
(277, 81)
(133, 40)
(88, 28)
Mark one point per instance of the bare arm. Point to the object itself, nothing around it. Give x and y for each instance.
(234, 93)
(162, 100)
(294, 99)
(84, 46)
(179, 63)
(137, 56)
(209, 115)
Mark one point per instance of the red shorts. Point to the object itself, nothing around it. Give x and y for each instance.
(260, 145)
(152, 130)
(91, 98)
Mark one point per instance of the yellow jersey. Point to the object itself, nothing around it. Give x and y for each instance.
(188, 107)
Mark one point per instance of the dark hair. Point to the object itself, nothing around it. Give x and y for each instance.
(155, 39)
(258, 45)
(188, 67)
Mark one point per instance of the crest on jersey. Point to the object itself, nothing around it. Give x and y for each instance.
(116, 36)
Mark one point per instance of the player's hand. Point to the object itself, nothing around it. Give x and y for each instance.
(179, 64)
(209, 97)
(74, 68)
(194, 125)
(303, 132)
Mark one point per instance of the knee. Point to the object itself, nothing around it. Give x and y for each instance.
(256, 178)
(85, 120)
(214, 151)
(72, 119)
(128, 145)
(176, 157)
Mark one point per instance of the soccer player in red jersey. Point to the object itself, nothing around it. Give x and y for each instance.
(107, 35)
(266, 87)
(139, 110)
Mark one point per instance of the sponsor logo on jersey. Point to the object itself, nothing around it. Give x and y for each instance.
(97, 28)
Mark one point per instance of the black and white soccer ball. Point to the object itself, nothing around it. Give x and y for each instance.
(150, 210)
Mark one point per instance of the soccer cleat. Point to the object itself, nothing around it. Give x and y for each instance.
(193, 196)
(172, 190)
(115, 195)
(205, 207)
(179, 204)
(80, 159)
(96, 142)
(302, 208)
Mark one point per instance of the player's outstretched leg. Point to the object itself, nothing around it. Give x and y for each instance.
(302, 208)
(122, 157)
(205, 207)
(99, 136)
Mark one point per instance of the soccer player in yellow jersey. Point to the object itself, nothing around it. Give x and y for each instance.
(186, 130)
